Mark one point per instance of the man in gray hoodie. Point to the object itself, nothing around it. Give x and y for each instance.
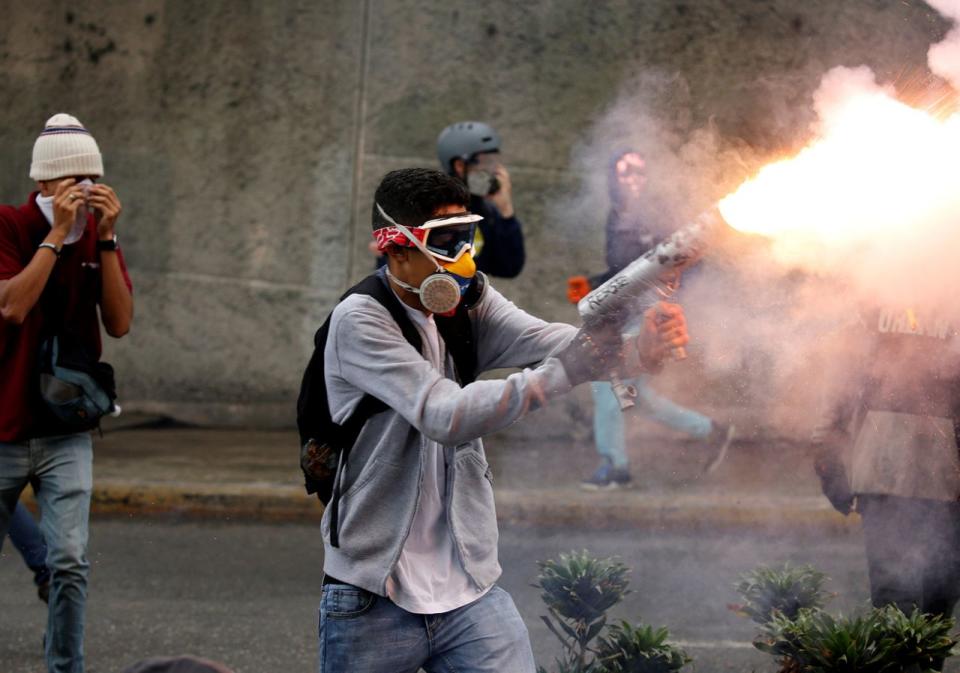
(410, 581)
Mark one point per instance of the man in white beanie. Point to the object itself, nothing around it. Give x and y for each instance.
(59, 264)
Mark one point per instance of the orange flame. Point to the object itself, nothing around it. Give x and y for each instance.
(876, 167)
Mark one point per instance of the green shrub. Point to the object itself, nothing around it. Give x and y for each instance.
(786, 590)
(578, 589)
(638, 649)
(581, 588)
(884, 640)
(787, 603)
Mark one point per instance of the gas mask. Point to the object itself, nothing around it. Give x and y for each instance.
(45, 203)
(448, 242)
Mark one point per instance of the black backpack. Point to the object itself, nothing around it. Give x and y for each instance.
(325, 445)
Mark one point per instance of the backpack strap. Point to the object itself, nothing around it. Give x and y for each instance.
(376, 286)
(457, 333)
(313, 390)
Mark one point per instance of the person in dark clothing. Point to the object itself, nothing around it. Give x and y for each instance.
(887, 447)
(471, 152)
(629, 235)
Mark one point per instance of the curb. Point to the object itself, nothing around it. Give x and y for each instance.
(558, 508)
(256, 501)
(674, 512)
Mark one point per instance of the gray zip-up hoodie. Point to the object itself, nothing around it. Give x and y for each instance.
(367, 353)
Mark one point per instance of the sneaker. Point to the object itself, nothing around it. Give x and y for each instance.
(606, 477)
(717, 443)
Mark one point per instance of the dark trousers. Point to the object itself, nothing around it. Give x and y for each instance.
(913, 552)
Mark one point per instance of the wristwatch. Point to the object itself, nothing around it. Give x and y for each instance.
(109, 245)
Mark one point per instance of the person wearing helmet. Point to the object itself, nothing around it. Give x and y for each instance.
(471, 151)
(629, 235)
(410, 550)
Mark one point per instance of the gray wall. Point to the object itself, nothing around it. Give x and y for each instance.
(245, 139)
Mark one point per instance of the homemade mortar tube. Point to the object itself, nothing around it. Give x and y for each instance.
(647, 279)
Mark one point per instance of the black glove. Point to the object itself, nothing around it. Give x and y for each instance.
(592, 354)
(834, 482)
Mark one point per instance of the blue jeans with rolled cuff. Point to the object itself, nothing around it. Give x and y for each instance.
(361, 632)
(61, 469)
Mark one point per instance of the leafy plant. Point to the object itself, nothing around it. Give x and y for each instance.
(923, 640)
(787, 603)
(884, 640)
(785, 591)
(638, 649)
(578, 589)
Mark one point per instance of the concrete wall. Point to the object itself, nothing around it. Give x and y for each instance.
(245, 139)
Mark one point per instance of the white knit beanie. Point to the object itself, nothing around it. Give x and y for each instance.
(65, 149)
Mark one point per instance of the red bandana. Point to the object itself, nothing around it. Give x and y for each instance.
(386, 236)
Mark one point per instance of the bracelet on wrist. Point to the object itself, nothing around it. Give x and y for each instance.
(108, 245)
(51, 246)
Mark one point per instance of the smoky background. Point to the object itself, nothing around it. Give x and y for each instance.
(247, 141)
(774, 319)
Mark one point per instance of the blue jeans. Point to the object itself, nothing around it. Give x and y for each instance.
(62, 471)
(608, 418)
(26, 537)
(361, 632)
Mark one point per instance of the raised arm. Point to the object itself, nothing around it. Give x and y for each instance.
(116, 301)
(21, 290)
(367, 351)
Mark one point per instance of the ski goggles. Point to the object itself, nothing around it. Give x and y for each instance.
(447, 238)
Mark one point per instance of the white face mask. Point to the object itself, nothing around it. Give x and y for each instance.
(480, 183)
(45, 203)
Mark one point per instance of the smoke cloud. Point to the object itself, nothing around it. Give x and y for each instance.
(944, 57)
(865, 218)
(873, 201)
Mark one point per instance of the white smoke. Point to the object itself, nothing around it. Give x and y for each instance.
(873, 220)
(944, 57)
(873, 201)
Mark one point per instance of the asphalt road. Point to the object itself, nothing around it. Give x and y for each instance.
(247, 594)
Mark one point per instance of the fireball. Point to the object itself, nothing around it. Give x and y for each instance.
(877, 170)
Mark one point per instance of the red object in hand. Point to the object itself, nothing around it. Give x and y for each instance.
(665, 327)
(578, 287)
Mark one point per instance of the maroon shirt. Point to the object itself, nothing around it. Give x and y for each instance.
(67, 306)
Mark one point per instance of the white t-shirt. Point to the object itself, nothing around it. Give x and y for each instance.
(428, 577)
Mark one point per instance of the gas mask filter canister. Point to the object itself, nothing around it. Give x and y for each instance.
(440, 292)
